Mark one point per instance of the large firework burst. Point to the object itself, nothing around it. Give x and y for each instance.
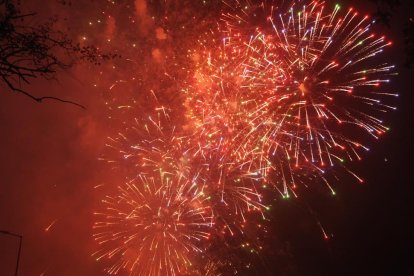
(296, 92)
(156, 221)
(153, 225)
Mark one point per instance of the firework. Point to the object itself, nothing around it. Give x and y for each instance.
(153, 225)
(155, 222)
(332, 78)
(295, 94)
(230, 119)
(279, 94)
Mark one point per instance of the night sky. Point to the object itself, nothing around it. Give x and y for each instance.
(49, 157)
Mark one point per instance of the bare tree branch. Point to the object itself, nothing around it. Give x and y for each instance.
(39, 99)
(28, 52)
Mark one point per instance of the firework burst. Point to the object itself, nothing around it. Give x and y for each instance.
(153, 225)
(332, 79)
(155, 222)
(296, 93)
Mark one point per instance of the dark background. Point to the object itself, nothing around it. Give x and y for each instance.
(48, 168)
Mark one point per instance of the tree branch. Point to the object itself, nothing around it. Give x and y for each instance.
(39, 99)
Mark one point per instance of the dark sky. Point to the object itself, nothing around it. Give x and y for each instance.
(49, 166)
